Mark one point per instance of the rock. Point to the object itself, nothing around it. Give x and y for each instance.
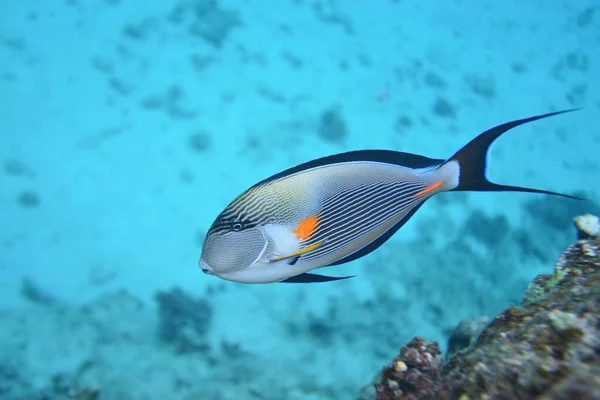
(548, 347)
(414, 374)
(183, 320)
(443, 108)
(67, 387)
(31, 291)
(588, 227)
(332, 126)
(206, 19)
(465, 334)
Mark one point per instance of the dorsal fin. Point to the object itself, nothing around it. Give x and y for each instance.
(386, 156)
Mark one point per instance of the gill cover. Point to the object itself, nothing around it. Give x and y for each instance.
(232, 251)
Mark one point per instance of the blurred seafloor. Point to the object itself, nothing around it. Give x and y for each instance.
(126, 126)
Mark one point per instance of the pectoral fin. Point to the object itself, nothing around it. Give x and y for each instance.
(310, 278)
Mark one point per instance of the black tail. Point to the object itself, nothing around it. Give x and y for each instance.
(472, 160)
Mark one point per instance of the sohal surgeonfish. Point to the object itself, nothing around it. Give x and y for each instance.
(336, 209)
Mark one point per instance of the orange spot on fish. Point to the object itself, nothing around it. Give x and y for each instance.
(306, 227)
(427, 189)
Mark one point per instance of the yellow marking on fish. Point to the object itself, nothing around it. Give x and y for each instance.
(306, 227)
(427, 189)
(299, 252)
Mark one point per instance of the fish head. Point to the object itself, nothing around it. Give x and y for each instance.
(244, 253)
(230, 246)
(250, 240)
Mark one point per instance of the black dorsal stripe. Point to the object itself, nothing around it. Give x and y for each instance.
(385, 156)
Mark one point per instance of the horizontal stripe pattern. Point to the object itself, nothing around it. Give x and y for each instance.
(254, 207)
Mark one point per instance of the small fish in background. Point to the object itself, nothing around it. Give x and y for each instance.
(384, 94)
(337, 209)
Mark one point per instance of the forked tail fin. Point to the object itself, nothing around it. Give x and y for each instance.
(472, 160)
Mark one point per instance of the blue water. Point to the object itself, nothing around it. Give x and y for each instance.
(127, 126)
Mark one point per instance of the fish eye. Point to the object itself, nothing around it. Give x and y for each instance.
(237, 225)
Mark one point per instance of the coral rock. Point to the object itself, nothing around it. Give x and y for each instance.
(588, 226)
(184, 321)
(465, 334)
(548, 348)
(414, 374)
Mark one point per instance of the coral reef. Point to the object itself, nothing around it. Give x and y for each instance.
(332, 126)
(183, 320)
(588, 226)
(465, 334)
(67, 387)
(414, 374)
(548, 347)
(60, 387)
(206, 19)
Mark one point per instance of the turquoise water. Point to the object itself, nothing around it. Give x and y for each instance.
(127, 126)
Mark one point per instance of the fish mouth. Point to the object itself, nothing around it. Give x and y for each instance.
(207, 269)
(233, 251)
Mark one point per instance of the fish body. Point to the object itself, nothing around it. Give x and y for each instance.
(337, 209)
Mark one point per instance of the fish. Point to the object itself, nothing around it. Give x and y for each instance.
(339, 208)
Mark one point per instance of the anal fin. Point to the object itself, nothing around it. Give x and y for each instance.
(311, 278)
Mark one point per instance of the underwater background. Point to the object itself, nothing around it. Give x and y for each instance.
(127, 126)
